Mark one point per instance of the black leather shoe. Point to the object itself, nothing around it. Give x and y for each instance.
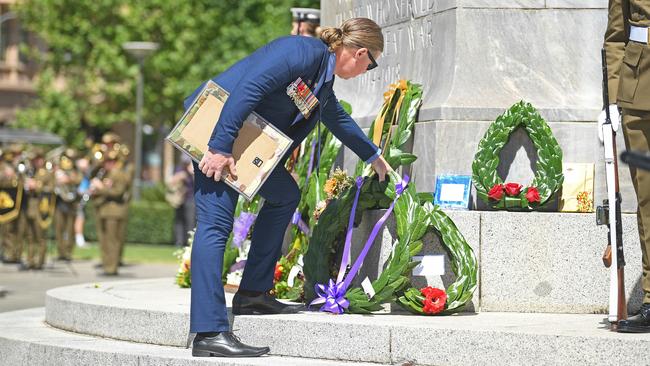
(225, 344)
(640, 323)
(263, 303)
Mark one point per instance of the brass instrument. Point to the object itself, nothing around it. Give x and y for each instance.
(67, 192)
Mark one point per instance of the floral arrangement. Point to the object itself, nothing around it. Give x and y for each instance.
(414, 213)
(548, 175)
(498, 191)
(184, 255)
(338, 183)
(235, 253)
(288, 278)
(585, 203)
(434, 300)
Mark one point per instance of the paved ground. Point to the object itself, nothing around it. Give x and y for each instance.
(26, 289)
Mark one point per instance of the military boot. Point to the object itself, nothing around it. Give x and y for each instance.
(640, 323)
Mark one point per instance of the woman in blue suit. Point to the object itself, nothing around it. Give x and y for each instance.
(259, 83)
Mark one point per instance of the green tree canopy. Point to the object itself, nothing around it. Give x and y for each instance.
(87, 82)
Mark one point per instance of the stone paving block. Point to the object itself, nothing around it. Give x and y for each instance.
(26, 340)
(123, 310)
(319, 335)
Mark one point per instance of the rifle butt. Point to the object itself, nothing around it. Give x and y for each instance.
(607, 256)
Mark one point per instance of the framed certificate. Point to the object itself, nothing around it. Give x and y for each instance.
(257, 149)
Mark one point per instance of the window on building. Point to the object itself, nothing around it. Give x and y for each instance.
(4, 39)
(24, 41)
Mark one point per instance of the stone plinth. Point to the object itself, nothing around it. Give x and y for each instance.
(528, 262)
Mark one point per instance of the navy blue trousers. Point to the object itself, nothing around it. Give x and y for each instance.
(215, 208)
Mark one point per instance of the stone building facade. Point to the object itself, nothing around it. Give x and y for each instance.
(17, 72)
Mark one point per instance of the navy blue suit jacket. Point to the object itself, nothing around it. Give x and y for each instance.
(259, 82)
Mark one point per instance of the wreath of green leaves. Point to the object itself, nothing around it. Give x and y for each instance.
(463, 264)
(415, 216)
(548, 176)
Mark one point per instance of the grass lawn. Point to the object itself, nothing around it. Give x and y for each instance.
(133, 253)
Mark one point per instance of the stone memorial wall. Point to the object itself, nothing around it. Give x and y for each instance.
(475, 58)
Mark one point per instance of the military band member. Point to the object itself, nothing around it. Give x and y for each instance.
(112, 142)
(11, 192)
(67, 180)
(129, 170)
(628, 64)
(108, 191)
(40, 201)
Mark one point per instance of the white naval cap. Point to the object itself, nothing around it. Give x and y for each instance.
(306, 15)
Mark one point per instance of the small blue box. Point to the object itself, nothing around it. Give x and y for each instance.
(452, 191)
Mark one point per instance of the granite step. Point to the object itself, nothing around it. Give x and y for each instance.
(157, 312)
(27, 340)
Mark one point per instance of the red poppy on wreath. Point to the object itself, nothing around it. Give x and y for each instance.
(435, 300)
(513, 189)
(532, 195)
(496, 193)
(278, 272)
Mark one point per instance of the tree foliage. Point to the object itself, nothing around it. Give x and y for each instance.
(88, 81)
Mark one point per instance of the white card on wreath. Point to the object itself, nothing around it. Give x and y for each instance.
(430, 265)
(367, 288)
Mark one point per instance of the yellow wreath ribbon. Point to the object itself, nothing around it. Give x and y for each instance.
(381, 117)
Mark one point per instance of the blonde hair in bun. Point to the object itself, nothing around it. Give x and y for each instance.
(354, 33)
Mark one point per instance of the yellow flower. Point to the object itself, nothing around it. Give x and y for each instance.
(330, 186)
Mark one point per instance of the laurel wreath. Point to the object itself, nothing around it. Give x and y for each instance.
(548, 175)
(415, 216)
(463, 264)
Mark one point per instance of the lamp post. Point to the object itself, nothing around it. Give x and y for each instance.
(140, 51)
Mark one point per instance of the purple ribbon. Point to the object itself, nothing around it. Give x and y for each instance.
(311, 160)
(241, 227)
(332, 295)
(345, 260)
(297, 220)
(237, 266)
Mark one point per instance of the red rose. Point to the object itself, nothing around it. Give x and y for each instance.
(496, 193)
(435, 300)
(278, 272)
(513, 189)
(532, 195)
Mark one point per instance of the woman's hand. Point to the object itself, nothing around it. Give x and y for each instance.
(214, 163)
(381, 167)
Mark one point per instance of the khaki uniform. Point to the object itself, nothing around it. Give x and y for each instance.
(129, 171)
(39, 209)
(67, 204)
(628, 64)
(111, 213)
(10, 206)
